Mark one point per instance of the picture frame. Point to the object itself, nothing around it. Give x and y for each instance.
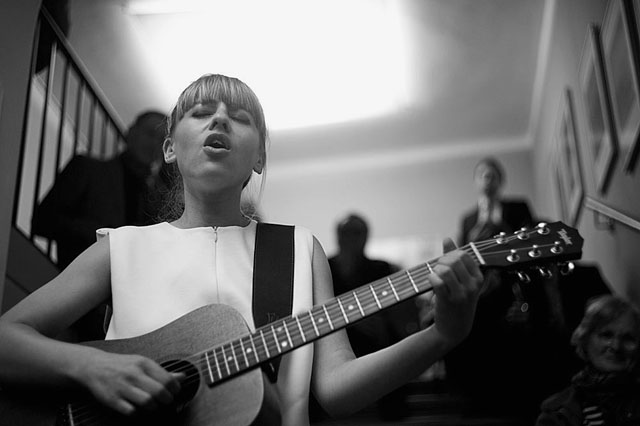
(558, 180)
(601, 139)
(571, 188)
(620, 62)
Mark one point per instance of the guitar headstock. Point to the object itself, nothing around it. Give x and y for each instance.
(547, 242)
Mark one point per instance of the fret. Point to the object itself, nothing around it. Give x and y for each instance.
(415, 288)
(228, 359)
(324, 307)
(477, 253)
(224, 358)
(393, 289)
(313, 321)
(275, 337)
(215, 358)
(244, 353)
(350, 306)
(355, 296)
(209, 371)
(253, 346)
(304, 339)
(431, 271)
(234, 356)
(264, 343)
(375, 296)
(344, 314)
(286, 330)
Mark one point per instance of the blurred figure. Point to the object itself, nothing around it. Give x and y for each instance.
(351, 268)
(493, 214)
(91, 194)
(606, 391)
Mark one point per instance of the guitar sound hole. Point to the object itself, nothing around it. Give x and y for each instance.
(190, 384)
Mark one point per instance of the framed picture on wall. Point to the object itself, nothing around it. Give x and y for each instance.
(619, 56)
(601, 140)
(568, 158)
(558, 180)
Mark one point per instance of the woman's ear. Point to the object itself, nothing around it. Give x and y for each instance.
(169, 153)
(258, 166)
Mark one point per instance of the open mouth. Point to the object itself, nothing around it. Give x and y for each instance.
(217, 141)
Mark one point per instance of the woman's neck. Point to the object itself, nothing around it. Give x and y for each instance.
(211, 211)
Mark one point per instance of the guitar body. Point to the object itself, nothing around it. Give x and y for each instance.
(247, 399)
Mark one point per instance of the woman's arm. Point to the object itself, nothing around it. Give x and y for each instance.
(343, 384)
(31, 357)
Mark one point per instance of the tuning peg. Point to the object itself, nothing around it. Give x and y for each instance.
(523, 277)
(513, 257)
(557, 247)
(501, 238)
(543, 229)
(522, 234)
(534, 252)
(567, 267)
(544, 272)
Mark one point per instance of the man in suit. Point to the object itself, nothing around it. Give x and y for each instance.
(91, 194)
(493, 214)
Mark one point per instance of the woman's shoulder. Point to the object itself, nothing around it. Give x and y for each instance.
(132, 229)
(564, 399)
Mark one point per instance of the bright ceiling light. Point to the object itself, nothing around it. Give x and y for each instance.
(309, 62)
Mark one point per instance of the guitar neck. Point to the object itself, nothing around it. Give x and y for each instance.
(287, 334)
(521, 248)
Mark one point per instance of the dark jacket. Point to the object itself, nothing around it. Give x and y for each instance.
(515, 215)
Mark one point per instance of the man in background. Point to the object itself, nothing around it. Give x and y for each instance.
(91, 194)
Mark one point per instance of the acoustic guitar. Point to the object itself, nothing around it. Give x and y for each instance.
(220, 356)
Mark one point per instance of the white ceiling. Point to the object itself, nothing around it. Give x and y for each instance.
(467, 70)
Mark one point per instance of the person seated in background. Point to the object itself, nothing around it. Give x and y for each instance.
(350, 269)
(520, 340)
(91, 193)
(606, 392)
(493, 213)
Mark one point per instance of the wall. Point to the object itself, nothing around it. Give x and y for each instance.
(17, 23)
(614, 250)
(421, 198)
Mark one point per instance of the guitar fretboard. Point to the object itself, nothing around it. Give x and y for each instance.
(287, 334)
(521, 248)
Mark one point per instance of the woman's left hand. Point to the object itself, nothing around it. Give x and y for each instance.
(457, 282)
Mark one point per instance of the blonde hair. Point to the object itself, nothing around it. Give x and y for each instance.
(214, 88)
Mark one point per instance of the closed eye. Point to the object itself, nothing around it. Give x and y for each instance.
(241, 116)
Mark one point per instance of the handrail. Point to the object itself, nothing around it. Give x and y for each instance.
(611, 213)
(61, 120)
(81, 68)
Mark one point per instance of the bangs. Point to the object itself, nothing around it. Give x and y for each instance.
(213, 88)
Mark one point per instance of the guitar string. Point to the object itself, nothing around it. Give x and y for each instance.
(235, 348)
(85, 412)
(367, 298)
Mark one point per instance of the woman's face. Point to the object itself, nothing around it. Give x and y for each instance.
(216, 145)
(613, 347)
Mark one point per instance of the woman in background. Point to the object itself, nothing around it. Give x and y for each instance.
(606, 391)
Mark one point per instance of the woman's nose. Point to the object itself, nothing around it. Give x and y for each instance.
(220, 119)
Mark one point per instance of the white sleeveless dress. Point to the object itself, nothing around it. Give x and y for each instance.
(160, 273)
